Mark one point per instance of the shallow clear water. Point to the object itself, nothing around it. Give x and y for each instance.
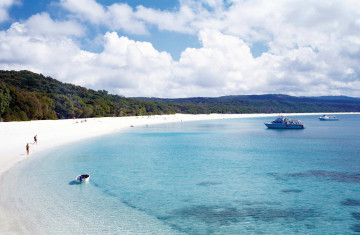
(230, 176)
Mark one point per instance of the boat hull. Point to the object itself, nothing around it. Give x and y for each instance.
(328, 119)
(278, 126)
(284, 123)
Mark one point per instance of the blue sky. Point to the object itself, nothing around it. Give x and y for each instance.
(187, 48)
(174, 44)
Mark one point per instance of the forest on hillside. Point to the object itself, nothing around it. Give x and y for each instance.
(271, 103)
(25, 95)
(29, 96)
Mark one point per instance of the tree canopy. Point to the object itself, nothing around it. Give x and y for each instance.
(29, 96)
(25, 95)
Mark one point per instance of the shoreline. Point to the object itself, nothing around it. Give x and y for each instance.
(54, 133)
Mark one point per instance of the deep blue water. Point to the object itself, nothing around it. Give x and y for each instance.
(230, 176)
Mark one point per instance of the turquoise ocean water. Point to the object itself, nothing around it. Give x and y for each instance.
(230, 176)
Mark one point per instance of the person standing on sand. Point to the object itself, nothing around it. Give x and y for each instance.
(35, 139)
(27, 149)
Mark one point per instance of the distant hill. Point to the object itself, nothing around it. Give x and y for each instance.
(268, 103)
(25, 95)
(336, 98)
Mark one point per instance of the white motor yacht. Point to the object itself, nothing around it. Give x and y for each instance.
(283, 123)
(328, 118)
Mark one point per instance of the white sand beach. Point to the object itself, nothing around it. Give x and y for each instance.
(52, 133)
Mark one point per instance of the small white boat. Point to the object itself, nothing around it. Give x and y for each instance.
(82, 178)
(328, 118)
(284, 123)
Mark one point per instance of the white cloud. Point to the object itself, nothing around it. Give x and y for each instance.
(86, 10)
(172, 21)
(133, 66)
(39, 44)
(121, 16)
(223, 65)
(42, 24)
(4, 6)
(115, 17)
(314, 48)
(19, 50)
(124, 65)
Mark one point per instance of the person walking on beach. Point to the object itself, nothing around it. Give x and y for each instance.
(27, 149)
(35, 139)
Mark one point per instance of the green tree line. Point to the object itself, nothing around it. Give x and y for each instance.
(29, 96)
(25, 95)
(272, 103)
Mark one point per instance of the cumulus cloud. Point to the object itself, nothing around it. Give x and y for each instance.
(115, 17)
(86, 9)
(221, 65)
(39, 44)
(314, 48)
(130, 66)
(124, 66)
(20, 50)
(42, 24)
(4, 6)
(165, 20)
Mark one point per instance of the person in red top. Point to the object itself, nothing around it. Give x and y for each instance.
(27, 148)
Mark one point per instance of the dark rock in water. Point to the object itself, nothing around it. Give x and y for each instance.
(356, 228)
(291, 191)
(350, 202)
(330, 175)
(211, 217)
(224, 215)
(256, 203)
(356, 215)
(269, 214)
(208, 183)
(211, 214)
